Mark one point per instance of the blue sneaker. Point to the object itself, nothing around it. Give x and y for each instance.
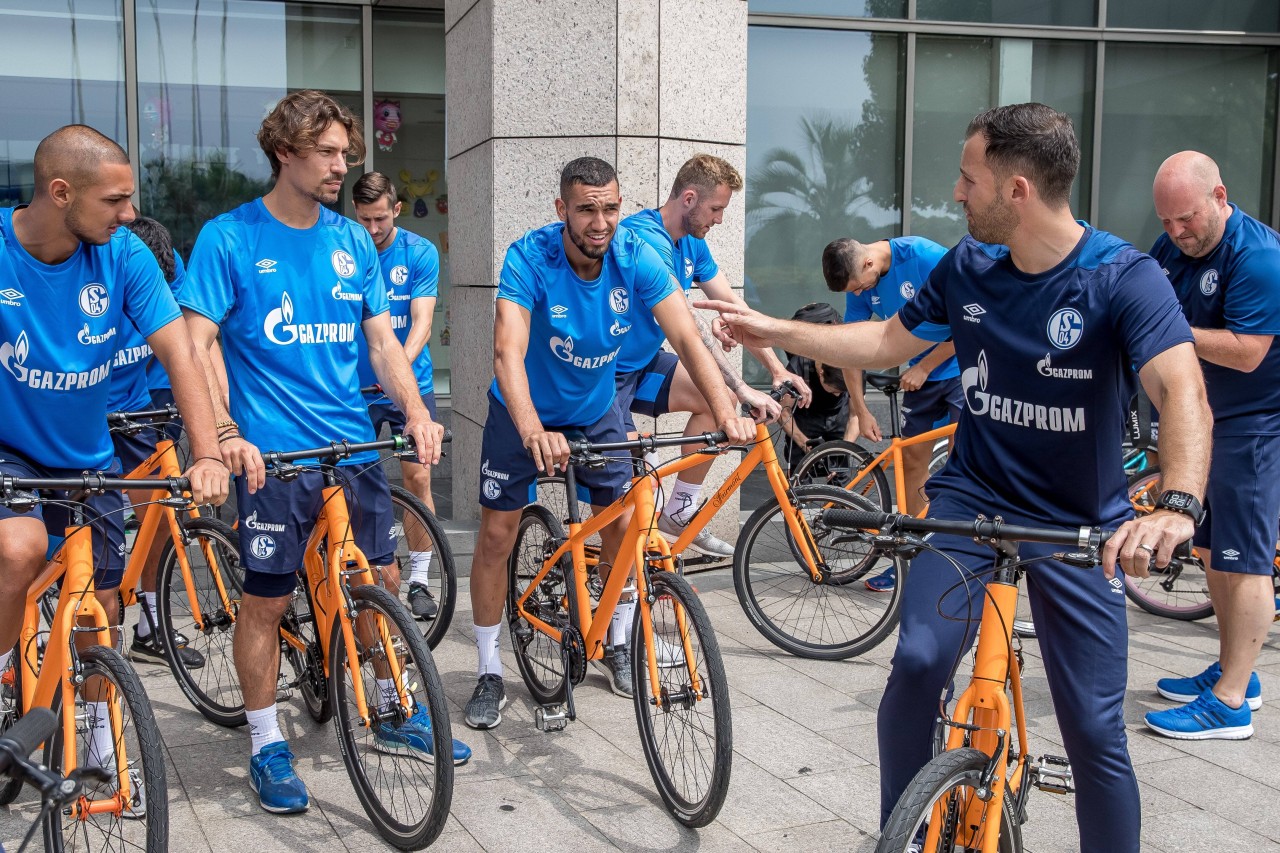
(272, 778)
(1204, 718)
(414, 737)
(1187, 689)
(883, 582)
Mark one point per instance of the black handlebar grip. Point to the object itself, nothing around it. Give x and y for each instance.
(35, 727)
(855, 519)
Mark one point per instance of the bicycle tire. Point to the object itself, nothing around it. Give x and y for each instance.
(837, 463)
(106, 831)
(946, 774)
(308, 666)
(387, 783)
(537, 654)
(10, 713)
(443, 584)
(938, 457)
(1177, 592)
(834, 620)
(666, 734)
(214, 689)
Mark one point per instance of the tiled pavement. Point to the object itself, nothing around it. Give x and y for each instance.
(804, 764)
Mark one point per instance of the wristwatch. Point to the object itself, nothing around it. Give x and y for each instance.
(1182, 502)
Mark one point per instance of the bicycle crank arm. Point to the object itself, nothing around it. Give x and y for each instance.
(1052, 773)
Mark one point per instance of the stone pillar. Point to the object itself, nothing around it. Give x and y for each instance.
(643, 84)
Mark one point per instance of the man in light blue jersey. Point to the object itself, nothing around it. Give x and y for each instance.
(1224, 266)
(288, 282)
(878, 279)
(564, 299)
(71, 280)
(410, 271)
(652, 381)
(1032, 284)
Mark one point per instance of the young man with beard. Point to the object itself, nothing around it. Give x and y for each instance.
(563, 301)
(1033, 448)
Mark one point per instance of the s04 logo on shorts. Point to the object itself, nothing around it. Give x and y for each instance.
(491, 489)
(262, 546)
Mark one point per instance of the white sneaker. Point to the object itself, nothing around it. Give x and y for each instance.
(668, 655)
(704, 542)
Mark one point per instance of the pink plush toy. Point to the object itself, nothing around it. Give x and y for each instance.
(386, 121)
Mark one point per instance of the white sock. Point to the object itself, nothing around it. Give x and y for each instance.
(102, 750)
(4, 659)
(388, 696)
(651, 461)
(264, 727)
(487, 649)
(620, 625)
(419, 566)
(683, 503)
(148, 600)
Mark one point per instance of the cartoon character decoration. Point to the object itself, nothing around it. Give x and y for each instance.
(417, 191)
(386, 121)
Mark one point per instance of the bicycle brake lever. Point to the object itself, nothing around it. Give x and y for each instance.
(22, 501)
(1079, 559)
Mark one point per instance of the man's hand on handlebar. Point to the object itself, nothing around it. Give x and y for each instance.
(804, 394)
(244, 460)
(739, 430)
(210, 479)
(550, 450)
(763, 407)
(1146, 541)
(427, 436)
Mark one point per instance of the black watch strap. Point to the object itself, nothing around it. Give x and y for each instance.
(1183, 502)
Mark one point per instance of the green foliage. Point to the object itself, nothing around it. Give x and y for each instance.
(185, 194)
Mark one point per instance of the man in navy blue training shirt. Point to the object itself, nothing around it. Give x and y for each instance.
(1225, 268)
(1031, 286)
(564, 300)
(288, 282)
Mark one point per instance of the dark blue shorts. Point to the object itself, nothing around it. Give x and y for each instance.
(647, 391)
(276, 521)
(508, 478)
(104, 513)
(383, 411)
(1243, 503)
(932, 405)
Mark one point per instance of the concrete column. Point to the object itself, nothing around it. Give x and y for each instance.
(643, 84)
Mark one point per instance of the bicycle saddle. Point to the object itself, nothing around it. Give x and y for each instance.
(887, 382)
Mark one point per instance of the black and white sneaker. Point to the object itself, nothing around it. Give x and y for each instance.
(484, 711)
(147, 649)
(422, 603)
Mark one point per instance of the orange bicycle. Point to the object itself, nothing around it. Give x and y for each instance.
(850, 466)
(972, 796)
(795, 578)
(107, 732)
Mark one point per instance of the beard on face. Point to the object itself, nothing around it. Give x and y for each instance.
(579, 240)
(325, 196)
(1202, 245)
(995, 224)
(75, 222)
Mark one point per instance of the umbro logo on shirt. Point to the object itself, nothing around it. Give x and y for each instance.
(265, 265)
(1231, 554)
(559, 312)
(10, 296)
(972, 311)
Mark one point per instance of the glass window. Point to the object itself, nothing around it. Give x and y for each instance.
(408, 93)
(1044, 13)
(824, 156)
(59, 66)
(957, 78)
(1161, 99)
(834, 8)
(1254, 16)
(207, 75)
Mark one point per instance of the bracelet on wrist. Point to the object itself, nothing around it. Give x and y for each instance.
(217, 459)
(224, 424)
(228, 437)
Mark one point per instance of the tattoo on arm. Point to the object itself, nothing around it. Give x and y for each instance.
(731, 378)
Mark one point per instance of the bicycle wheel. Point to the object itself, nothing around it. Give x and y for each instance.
(938, 457)
(1178, 591)
(218, 579)
(10, 713)
(685, 729)
(832, 620)
(307, 663)
(537, 653)
(144, 823)
(947, 786)
(837, 463)
(417, 530)
(403, 790)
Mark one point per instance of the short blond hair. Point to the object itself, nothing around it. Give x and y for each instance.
(705, 172)
(297, 121)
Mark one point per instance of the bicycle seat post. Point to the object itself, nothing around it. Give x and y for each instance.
(571, 493)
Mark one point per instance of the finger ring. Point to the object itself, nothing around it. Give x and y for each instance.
(1146, 548)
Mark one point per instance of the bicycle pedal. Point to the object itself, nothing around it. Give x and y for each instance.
(551, 719)
(1052, 773)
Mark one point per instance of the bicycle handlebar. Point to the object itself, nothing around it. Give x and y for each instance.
(168, 413)
(993, 529)
(344, 449)
(646, 443)
(93, 483)
(35, 727)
